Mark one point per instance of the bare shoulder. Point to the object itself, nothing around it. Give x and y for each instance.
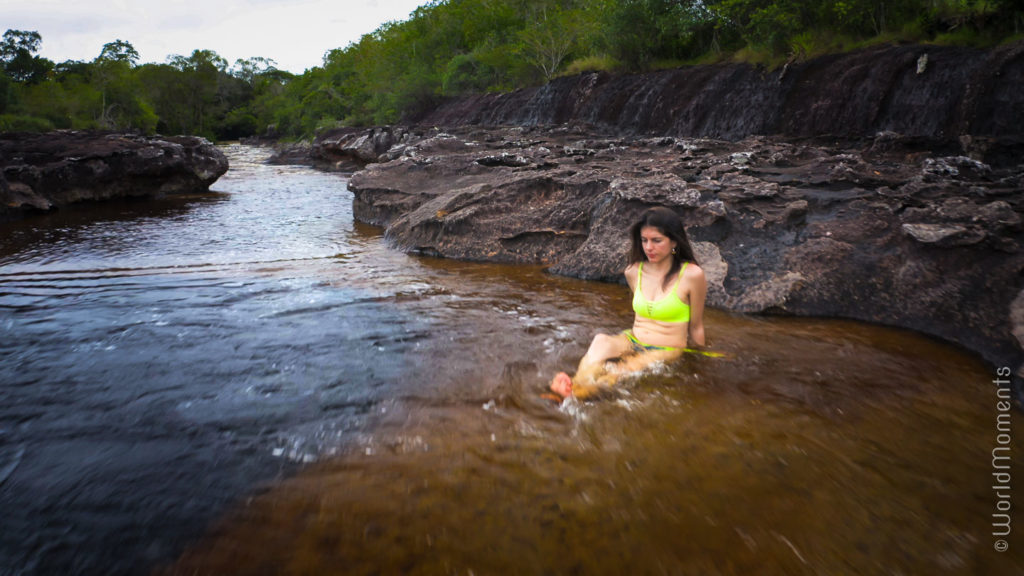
(693, 278)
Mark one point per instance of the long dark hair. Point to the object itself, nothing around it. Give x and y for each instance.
(670, 224)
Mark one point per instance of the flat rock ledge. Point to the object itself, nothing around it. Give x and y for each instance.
(877, 230)
(42, 172)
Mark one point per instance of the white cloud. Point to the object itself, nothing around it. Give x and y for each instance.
(294, 33)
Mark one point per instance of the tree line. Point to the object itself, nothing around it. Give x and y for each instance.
(452, 47)
(196, 94)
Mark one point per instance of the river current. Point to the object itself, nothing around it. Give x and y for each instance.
(250, 382)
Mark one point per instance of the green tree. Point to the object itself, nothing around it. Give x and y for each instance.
(121, 103)
(164, 87)
(250, 69)
(201, 75)
(17, 53)
(253, 96)
(119, 51)
(6, 93)
(550, 36)
(639, 32)
(15, 41)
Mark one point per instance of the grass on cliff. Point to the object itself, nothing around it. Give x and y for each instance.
(803, 46)
(809, 45)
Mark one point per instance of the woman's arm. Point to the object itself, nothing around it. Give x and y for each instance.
(697, 290)
(630, 274)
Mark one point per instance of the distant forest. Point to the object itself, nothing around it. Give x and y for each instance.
(452, 47)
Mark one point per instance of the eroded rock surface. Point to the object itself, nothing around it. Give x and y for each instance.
(43, 172)
(960, 91)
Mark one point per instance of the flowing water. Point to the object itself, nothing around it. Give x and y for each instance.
(249, 382)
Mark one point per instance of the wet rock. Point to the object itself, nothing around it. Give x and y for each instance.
(953, 166)
(349, 149)
(715, 267)
(771, 295)
(943, 235)
(21, 196)
(509, 160)
(997, 215)
(286, 153)
(46, 171)
(570, 151)
(1017, 318)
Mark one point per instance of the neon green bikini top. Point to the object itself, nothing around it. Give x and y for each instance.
(668, 308)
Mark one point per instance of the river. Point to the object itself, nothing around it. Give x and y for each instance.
(250, 382)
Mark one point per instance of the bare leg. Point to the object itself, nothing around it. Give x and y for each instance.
(637, 362)
(594, 378)
(592, 370)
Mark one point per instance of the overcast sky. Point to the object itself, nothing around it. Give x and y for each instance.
(294, 33)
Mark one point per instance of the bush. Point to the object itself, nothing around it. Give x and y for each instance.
(591, 64)
(238, 123)
(760, 56)
(17, 123)
(812, 43)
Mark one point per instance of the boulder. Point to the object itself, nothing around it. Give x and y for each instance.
(40, 172)
(349, 149)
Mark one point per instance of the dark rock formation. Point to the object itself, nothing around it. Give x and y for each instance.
(350, 149)
(933, 93)
(286, 152)
(880, 231)
(46, 171)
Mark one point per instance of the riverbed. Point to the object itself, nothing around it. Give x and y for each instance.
(251, 382)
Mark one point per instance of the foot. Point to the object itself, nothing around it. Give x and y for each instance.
(562, 385)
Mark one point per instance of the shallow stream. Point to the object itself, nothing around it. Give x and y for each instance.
(250, 382)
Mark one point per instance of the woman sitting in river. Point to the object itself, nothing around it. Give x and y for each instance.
(668, 298)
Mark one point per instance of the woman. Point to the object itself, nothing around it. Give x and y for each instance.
(668, 297)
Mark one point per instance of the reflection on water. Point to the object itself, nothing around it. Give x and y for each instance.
(163, 364)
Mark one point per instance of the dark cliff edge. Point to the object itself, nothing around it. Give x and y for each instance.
(43, 172)
(938, 95)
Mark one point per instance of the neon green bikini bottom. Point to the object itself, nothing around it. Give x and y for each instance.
(639, 346)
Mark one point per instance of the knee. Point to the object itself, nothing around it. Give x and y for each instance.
(602, 344)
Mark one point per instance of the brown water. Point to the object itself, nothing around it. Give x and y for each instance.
(254, 378)
(818, 447)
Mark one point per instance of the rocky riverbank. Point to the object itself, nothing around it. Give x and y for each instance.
(890, 189)
(42, 172)
(878, 230)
